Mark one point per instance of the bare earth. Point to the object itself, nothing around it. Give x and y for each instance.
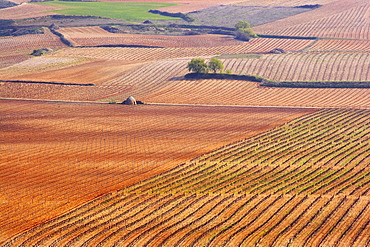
(57, 156)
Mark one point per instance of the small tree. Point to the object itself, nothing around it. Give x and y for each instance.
(242, 24)
(198, 65)
(215, 65)
(243, 31)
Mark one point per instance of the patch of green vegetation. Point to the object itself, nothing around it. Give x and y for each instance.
(114, 10)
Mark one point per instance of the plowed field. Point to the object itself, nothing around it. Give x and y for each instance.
(301, 184)
(56, 156)
(258, 45)
(285, 3)
(337, 45)
(339, 19)
(18, 48)
(147, 82)
(95, 36)
(26, 10)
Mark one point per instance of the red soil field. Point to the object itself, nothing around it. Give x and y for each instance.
(228, 92)
(334, 45)
(285, 3)
(306, 66)
(184, 6)
(18, 48)
(88, 71)
(339, 19)
(95, 36)
(304, 183)
(26, 10)
(147, 82)
(57, 156)
(258, 45)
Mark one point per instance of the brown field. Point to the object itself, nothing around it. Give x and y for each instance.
(95, 36)
(258, 45)
(307, 66)
(285, 3)
(335, 45)
(56, 156)
(148, 82)
(26, 10)
(250, 93)
(18, 48)
(339, 19)
(76, 71)
(184, 6)
(206, 162)
(310, 188)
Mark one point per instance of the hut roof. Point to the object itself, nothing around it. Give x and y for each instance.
(130, 101)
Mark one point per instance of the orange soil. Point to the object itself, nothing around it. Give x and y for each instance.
(147, 82)
(26, 10)
(228, 92)
(339, 19)
(285, 3)
(95, 71)
(57, 156)
(184, 5)
(18, 48)
(259, 45)
(95, 36)
(340, 45)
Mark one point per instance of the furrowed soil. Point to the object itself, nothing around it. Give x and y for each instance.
(19, 48)
(95, 36)
(304, 183)
(57, 156)
(327, 21)
(245, 172)
(26, 10)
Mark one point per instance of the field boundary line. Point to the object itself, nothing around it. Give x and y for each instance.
(196, 105)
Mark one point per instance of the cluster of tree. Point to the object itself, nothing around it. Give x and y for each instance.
(199, 66)
(243, 31)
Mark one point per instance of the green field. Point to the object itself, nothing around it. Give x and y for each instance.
(114, 10)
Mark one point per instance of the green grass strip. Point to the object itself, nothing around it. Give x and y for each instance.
(114, 10)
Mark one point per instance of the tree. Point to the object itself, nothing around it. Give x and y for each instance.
(242, 24)
(198, 65)
(215, 65)
(243, 31)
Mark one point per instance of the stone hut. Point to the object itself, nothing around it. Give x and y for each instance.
(130, 101)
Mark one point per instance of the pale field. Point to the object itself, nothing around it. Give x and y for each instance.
(258, 45)
(284, 3)
(339, 19)
(95, 36)
(18, 48)
(26, 10)
(338, 45)
(56, 156)
(162, 81)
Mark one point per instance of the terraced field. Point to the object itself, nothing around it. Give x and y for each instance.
(302, 184)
